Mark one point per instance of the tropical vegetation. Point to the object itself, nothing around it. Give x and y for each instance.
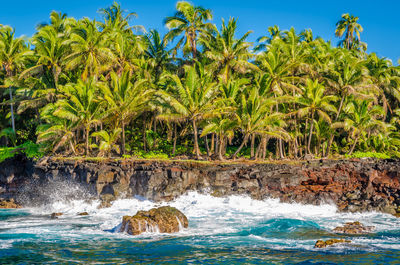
(112, 89)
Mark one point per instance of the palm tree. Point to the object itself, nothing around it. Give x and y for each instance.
(224, 127)
(190, 21)
(346, 76)
(274, 33)
(189, 99)
(380, 71)
(254, 117)
(115, 20)
(12, 57)
(88, 49)
(227, 53)
(361, 118)
(50, 52)
(157, 53)
(108, 140)
(314, 101)
(125, 100)
(57, 132)
(81, 105)
(60, 22)
(348, 26)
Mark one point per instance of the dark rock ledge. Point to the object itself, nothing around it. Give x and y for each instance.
(353, 185)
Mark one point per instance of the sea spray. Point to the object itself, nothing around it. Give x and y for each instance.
(216, 225)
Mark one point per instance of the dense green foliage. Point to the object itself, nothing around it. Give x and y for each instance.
(84, 87)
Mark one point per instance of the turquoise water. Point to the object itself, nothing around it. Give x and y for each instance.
(232, 230)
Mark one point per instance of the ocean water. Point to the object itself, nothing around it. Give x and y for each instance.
(231, 230)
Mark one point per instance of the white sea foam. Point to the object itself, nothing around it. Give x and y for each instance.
(6, 244)
(218, 218)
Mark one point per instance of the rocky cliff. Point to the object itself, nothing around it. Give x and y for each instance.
(352, 185)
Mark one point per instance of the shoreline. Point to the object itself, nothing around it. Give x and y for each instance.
(353, 186)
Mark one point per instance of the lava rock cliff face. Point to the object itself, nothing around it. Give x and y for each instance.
(356, 185)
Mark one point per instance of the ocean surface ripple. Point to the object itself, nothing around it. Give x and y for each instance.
(230, 230)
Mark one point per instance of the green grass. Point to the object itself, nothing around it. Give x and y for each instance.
(369, 155)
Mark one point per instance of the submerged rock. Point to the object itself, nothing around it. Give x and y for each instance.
(354, 228)
(83, 213)
(9, 204)
(164, 219)
(330, 242)
(55, 215)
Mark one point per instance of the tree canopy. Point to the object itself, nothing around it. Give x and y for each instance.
(110, 88)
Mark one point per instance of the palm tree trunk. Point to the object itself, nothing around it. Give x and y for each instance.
(296, 151)
(245, 139)
(328, 148)
(196, 143)
(221, 146)
(175, 138)
(216, 144)
(144, 135)
(212, 142)
(264, 146)
(257, 151)
(87, 140)
(123, 138)
(155, 133)
(12, 110)
(281, 149)
(354, 145)
(206, 144)
(310, 133)
(253, 139)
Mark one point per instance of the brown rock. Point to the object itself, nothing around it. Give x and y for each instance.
(83, 213)
(330, 242)
(55, 215)
(9, 204)
(354, 228)
(163, 219)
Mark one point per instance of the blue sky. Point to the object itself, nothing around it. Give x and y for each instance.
(379, 18)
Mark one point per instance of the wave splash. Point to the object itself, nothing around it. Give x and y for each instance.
(233, 221)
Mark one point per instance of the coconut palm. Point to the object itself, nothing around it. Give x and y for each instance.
(254, 117)
(348, 26)
(274, 33)
(190, 98)
(57, 132)
(88, 49)
(125, 100)
(81, 105)
(224, 127)
(157, 53)
(227, 53)
(13, 53)
(50, 52)
(60, 22)
(362, 118)
(314, 101)
(115, 20)
(108, 141)
(189, 21)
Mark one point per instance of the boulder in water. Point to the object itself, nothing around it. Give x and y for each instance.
(83, 213)
(164, 219)
(330, 242)
(55, 215)
(354, 228)
(9, 204)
